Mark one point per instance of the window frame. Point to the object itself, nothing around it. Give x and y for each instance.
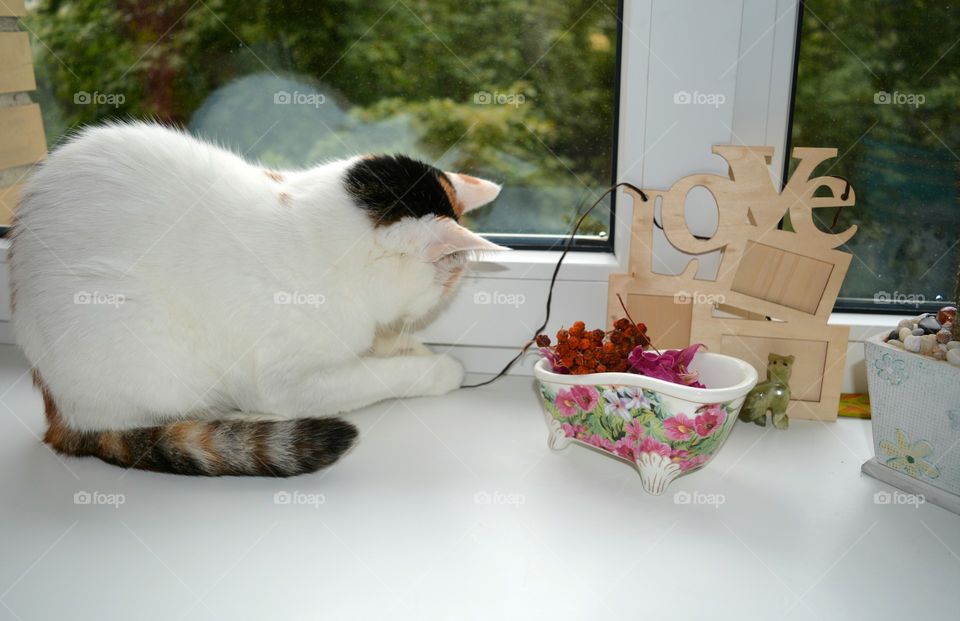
(758, 42)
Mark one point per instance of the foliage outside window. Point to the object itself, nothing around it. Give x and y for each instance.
(522, 92)
(880, 81)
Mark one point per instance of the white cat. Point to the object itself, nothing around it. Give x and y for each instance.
(187, 311)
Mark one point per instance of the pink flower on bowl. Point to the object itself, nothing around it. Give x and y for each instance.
(678, 427)
(693, 462)
(573, 431)
(566, 403)
(635, 431)
(626, 448)
(709, 421)
(649, 445)
(600, 442)
(585, 396)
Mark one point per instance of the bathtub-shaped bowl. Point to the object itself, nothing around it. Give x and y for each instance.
(663, 429)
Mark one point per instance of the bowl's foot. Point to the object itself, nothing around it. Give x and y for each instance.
(656, 472)
(556, 439)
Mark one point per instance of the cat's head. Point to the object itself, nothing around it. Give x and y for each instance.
(415, 212)
(780, 367)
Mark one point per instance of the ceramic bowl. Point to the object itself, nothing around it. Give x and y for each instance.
(665, 430)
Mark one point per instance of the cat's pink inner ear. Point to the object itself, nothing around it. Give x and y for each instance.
(473, 192)
(447, 237)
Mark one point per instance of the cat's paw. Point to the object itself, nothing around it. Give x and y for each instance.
(445, 374)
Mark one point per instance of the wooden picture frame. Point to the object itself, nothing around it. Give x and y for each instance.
(775, 288)
(22, 139)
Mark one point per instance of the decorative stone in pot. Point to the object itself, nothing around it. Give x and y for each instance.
(664, 429)
(915, 413)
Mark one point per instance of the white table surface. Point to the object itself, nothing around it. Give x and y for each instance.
(403, 530)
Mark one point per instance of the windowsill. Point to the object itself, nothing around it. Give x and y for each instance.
(479, 459)
(539, 265)
(864, 325)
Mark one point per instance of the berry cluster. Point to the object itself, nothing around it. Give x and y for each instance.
(579, 351)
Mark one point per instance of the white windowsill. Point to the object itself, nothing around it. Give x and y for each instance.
(539, 265)
(501, 508)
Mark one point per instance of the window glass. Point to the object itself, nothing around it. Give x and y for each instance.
(521, 92)
(880, 81)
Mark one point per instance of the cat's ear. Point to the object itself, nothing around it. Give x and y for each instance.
(472, 192)
(447, 237)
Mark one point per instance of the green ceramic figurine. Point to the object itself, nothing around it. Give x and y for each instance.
(772, 394)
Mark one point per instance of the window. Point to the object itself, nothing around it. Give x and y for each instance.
(522, 92)
(880, 81)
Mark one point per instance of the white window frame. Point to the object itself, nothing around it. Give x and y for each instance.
(743, 50)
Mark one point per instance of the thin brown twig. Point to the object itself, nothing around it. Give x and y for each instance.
(643, 333)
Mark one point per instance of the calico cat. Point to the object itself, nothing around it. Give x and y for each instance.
(187, 311)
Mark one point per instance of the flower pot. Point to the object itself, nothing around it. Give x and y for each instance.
(663, 429)
(915, 414)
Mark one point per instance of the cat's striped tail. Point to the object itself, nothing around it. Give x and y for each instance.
(208, 448)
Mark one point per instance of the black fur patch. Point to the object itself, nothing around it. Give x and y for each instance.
(391, 187)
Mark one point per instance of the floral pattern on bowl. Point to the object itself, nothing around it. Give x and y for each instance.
(664, 429)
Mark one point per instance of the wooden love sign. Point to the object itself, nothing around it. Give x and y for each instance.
(774, 289)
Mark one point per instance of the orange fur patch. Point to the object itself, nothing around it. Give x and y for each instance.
(13, 285)
(179, 432)
(284, 199)
(452, 196)
(452, 280)
(208, 448)
(57, 435)
(113, 446)
(274, 175)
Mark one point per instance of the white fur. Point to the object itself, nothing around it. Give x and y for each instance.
(202, 245)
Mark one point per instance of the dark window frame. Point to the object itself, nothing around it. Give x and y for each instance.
(848, 305)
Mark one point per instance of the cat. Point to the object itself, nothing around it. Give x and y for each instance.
(772, 395)
(186, 311)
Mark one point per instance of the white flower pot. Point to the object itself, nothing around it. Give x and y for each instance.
(915, 413)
